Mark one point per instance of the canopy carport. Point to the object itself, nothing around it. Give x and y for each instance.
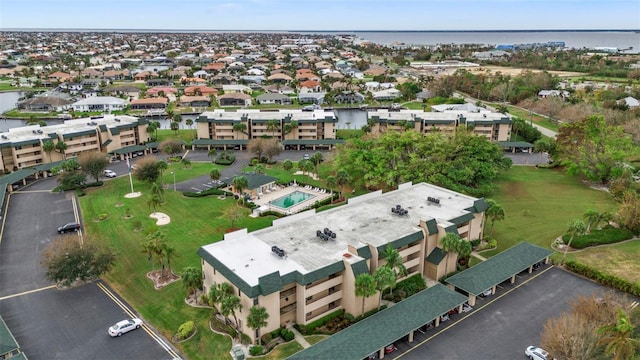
(372, 334)
(225, 144)
(497, 269)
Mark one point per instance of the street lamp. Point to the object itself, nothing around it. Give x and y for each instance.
(174, 180)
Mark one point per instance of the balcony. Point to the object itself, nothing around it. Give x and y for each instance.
(322, 286)
(318, 302)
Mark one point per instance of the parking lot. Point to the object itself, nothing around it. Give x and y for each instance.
(503, 325)
(59, 324)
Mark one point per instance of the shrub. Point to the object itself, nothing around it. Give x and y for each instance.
(287, 335)
(608, 235)
(310, 327)
(185, 330)
(208, 192)
(256, 350)
(604, 278)
(266, 338)
(476, 242)
(493, 243)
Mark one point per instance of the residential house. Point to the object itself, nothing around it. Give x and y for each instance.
(234, 99)
(273, 98)
(100, 104)
(45, 104)
(158, 82)
(631, 102)
(200, 90)
(236, 89)
(311, 98)
(386, 95)
(195, 101)
(348, 97)
(542, 94)
(149, 104)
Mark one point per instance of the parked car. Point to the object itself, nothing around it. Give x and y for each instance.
(444, 318)
(466, 308)
(486, 293)
(536, 353)
(110, 173)
(69, 227)
(390, 348)
(124, 326)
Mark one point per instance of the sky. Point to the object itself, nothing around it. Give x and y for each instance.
(319, 15)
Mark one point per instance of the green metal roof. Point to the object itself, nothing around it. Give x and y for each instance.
(231, 276)
(48, 166)
(219, 142)
(405, 240)
(364, 252)
(479, 205)
(16, 176)
(79, 133)
(516, 144)
(129, 149)
(107, 142)
(7, 342)
(462, 219)
(25, 142)
(360, 267)
(499, 268)
(432, 226)
(270, 283)
(102, 127)
(152, 144)
(256, 180)
(313, 142)
(383, 328)
(436, 256)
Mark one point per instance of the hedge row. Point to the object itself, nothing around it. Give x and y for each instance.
(310, 327)
(208, 192)
(607, 235)
(603, 278)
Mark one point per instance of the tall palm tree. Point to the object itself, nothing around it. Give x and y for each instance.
(239, 184)
(273, 125)
(260, 169)
(191, 279)
(229, 305)
(316, 159)
(576, 228)
(162, 166)
(218, 292)
(449, 244)
(240, 127)
(593, 218)
(342, 179)
(618, 338)
(157, 190)
(61, 146)
(331, 183)
(48, 146)
(170, 253)
(289, 127)
(214, 174)
(495, 212)
(384, 278)
(365, 287)
(257, 319)
(394, 261)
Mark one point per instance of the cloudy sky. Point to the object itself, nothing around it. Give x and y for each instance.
(321, 14)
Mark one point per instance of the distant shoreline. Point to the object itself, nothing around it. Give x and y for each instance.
(306, 31)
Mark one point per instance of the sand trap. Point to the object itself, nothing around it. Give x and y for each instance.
(133, 195)
(163, 219)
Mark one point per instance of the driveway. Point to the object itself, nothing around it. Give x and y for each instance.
(503, 325)
(59, 324)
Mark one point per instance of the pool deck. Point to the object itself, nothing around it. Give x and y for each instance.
(265, 199)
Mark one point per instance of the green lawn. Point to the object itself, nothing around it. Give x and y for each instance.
(539, 204)
(194, 222)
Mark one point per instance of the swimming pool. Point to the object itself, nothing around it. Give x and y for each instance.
(287, 201)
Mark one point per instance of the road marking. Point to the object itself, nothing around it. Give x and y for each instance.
(196, 189)
(144, 326)
(33, 191)
(27, 292)
(472, 313)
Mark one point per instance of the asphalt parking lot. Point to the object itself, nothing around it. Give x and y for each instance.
(503, 325)
(59, 324)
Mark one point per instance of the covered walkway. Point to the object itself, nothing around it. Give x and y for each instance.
(504, 266)
(372, 334)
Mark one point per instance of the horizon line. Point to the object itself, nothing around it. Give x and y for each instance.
(313, 31)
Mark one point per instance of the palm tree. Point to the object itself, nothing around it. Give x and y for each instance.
(186, 162)
(576, 228)
(394, 261)
(214, 174)
(239, 184)
(61, 146)
(229, 305)
(218, 292)
(449, 243)
(316, 159)
(240, 127)
(257, 319)
(331, 183)
(48, 147)
(593, 218)
(287, 165)
(191, 279)
(152, 127)
(147, 248)
(384, 278)
(170, 253)
(495, 212)
(212, 153)
(289, 127)
(464, 250)
(189, 123)
(260, 169)
(619, 338)
(162, 166)
(157, 244)
(154, 202)
(273, 125)
(307, 166)
(365, 287)
(342, 180)
(157, 190)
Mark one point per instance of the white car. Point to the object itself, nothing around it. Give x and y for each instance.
(124, 326)
(536, 353)
(110, 173)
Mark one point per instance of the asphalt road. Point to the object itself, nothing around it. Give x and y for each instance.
(59, 324)
(503, 325)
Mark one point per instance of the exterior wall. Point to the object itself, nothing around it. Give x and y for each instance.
(320, 298)
(83, 143)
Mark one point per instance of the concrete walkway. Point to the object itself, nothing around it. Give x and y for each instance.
(299, 338)
(478, 256)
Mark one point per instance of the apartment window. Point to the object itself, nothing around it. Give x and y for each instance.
(332, 290)
(309, 297)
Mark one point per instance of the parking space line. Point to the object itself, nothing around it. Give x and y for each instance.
(417, 345)
(27, 292)
(196, 189)
(145, 327)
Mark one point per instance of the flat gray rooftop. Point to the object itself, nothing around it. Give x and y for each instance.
(366, 219)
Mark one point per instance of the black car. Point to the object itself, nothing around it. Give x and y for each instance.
(72, 226)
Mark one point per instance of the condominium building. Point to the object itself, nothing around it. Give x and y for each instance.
(24, 147)
(295, 128)
(304, 266)
(494, 126)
